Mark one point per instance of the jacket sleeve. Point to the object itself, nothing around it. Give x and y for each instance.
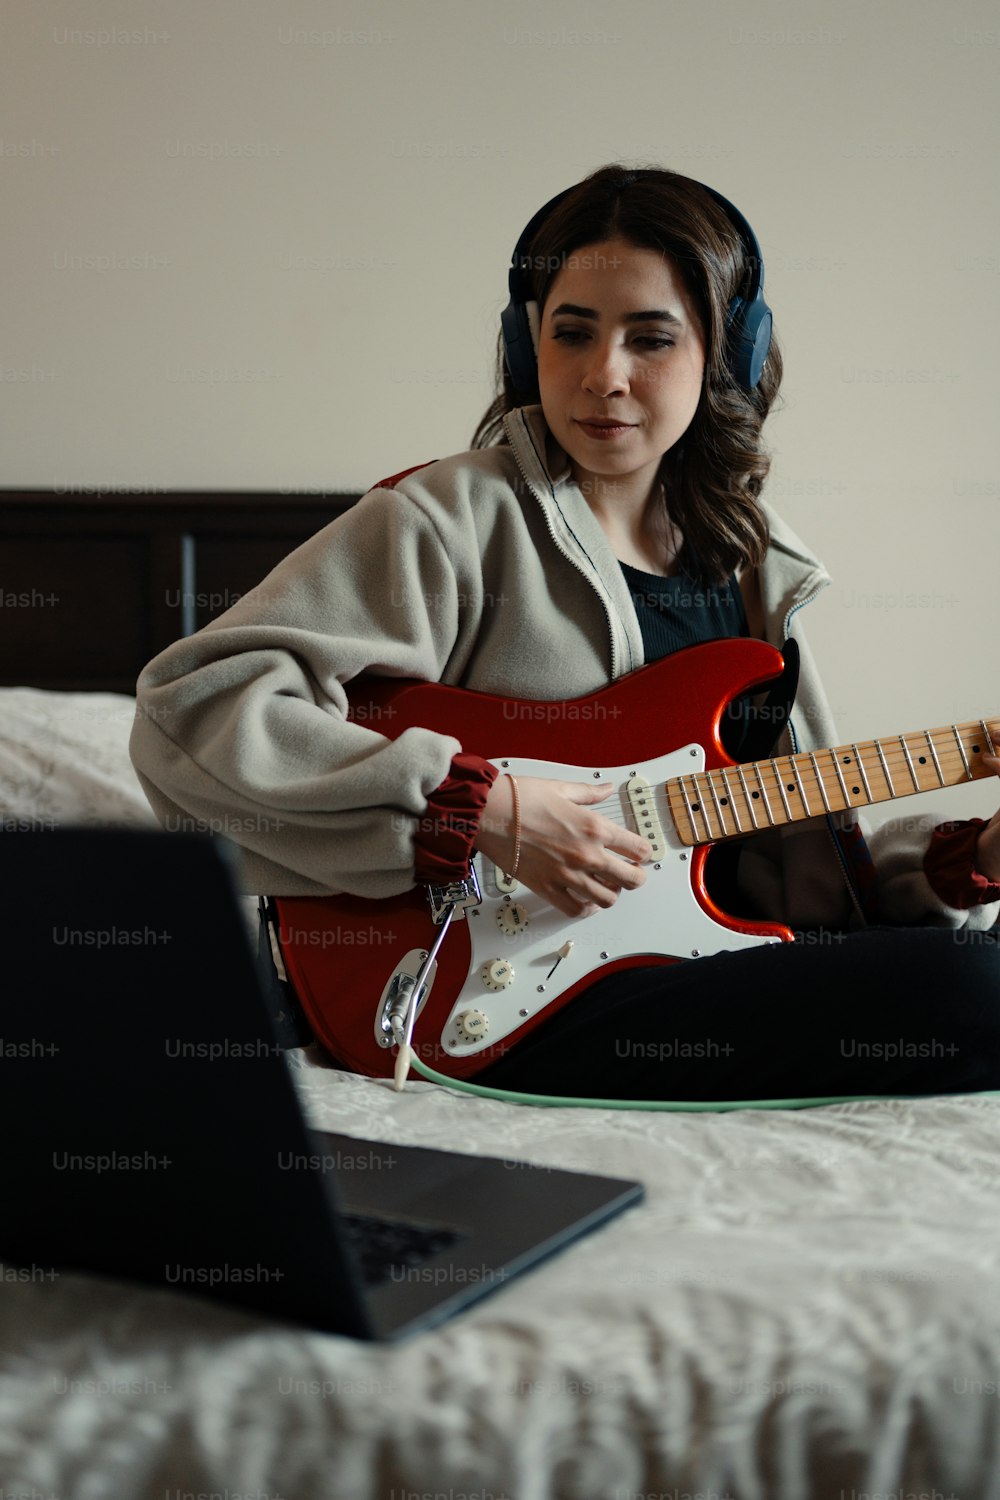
(950, 864)
(246, 729)
(926, 875)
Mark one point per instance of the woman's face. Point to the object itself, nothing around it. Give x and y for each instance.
(621, 359)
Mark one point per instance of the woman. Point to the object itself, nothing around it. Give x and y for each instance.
(608, 514)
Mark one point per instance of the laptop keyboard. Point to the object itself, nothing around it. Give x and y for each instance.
(388, 1247)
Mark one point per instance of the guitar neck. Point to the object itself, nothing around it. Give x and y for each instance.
(708, 806)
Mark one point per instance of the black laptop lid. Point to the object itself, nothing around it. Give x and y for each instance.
(148, 1119)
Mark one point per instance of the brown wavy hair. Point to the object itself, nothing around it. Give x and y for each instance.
(714, 474)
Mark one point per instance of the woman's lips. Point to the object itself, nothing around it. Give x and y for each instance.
(603, 431)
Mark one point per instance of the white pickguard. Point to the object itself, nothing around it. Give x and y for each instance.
(662, 917)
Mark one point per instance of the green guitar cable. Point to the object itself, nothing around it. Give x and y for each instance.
(694, 1106)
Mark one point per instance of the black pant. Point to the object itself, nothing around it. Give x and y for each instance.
(884, 1011)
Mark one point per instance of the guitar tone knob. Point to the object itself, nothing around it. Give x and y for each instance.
(472, 1025)
(497, 974)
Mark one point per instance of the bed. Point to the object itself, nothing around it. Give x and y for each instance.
(806, 1305)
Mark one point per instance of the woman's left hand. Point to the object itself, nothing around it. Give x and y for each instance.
(988, 844)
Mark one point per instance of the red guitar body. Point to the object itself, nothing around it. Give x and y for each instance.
(340, 951)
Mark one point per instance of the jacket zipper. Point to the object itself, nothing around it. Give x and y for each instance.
(548, 521)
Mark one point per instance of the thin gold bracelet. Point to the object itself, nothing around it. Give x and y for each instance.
(517, 827)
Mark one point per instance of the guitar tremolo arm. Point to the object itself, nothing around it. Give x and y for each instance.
(409, 985)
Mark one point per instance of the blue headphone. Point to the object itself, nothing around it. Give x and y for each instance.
(748, 317)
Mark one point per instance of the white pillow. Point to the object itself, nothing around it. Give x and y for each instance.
(64, 759)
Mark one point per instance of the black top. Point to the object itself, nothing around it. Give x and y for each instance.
(682, 611)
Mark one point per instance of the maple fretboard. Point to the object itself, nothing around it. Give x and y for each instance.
(732, 800)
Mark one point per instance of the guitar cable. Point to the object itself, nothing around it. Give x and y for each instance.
(402, 1022)
(694, 1106)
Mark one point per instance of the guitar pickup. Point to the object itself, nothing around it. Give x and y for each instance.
(457, 894)
(642, 801)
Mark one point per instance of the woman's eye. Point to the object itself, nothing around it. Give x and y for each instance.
(646, 341)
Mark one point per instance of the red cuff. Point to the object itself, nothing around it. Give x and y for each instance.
(446, 834)
(950, 866)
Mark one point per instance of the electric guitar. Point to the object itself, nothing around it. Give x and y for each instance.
(510, 960)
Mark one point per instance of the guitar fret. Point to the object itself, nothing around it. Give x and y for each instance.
(763, 793)
(885, 768)
(822, 784)
(989, 737)
(705, 777)
(747, 796)
(861, 767)
(732, 804)
(961, 751)
(937, 763)
(689, 809)
(843, 784)
(802, 788)
(909, 763)
(781, 787)
(701, 803)
(715, 799)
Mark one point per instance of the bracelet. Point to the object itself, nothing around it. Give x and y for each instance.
(517, 827)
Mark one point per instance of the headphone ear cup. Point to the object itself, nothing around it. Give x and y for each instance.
(748, 328)
(519, 346)
(520, 336)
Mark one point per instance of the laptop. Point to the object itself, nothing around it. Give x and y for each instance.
(151, 1130)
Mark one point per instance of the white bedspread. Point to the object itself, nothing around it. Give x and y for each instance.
(806, 1306)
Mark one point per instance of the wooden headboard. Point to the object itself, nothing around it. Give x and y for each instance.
(94, 585)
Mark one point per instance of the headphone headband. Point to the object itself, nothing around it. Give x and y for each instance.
(748, 317)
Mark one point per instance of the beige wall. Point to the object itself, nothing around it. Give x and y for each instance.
(264, 245)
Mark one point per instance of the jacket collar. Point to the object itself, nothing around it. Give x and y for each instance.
(528, 434)
(575, 529)
(791, 575)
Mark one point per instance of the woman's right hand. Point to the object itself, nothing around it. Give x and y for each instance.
(571, 855)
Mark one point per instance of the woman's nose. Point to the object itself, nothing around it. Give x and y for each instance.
(606, 371)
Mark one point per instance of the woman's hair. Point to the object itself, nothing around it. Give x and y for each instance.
(715, 472)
